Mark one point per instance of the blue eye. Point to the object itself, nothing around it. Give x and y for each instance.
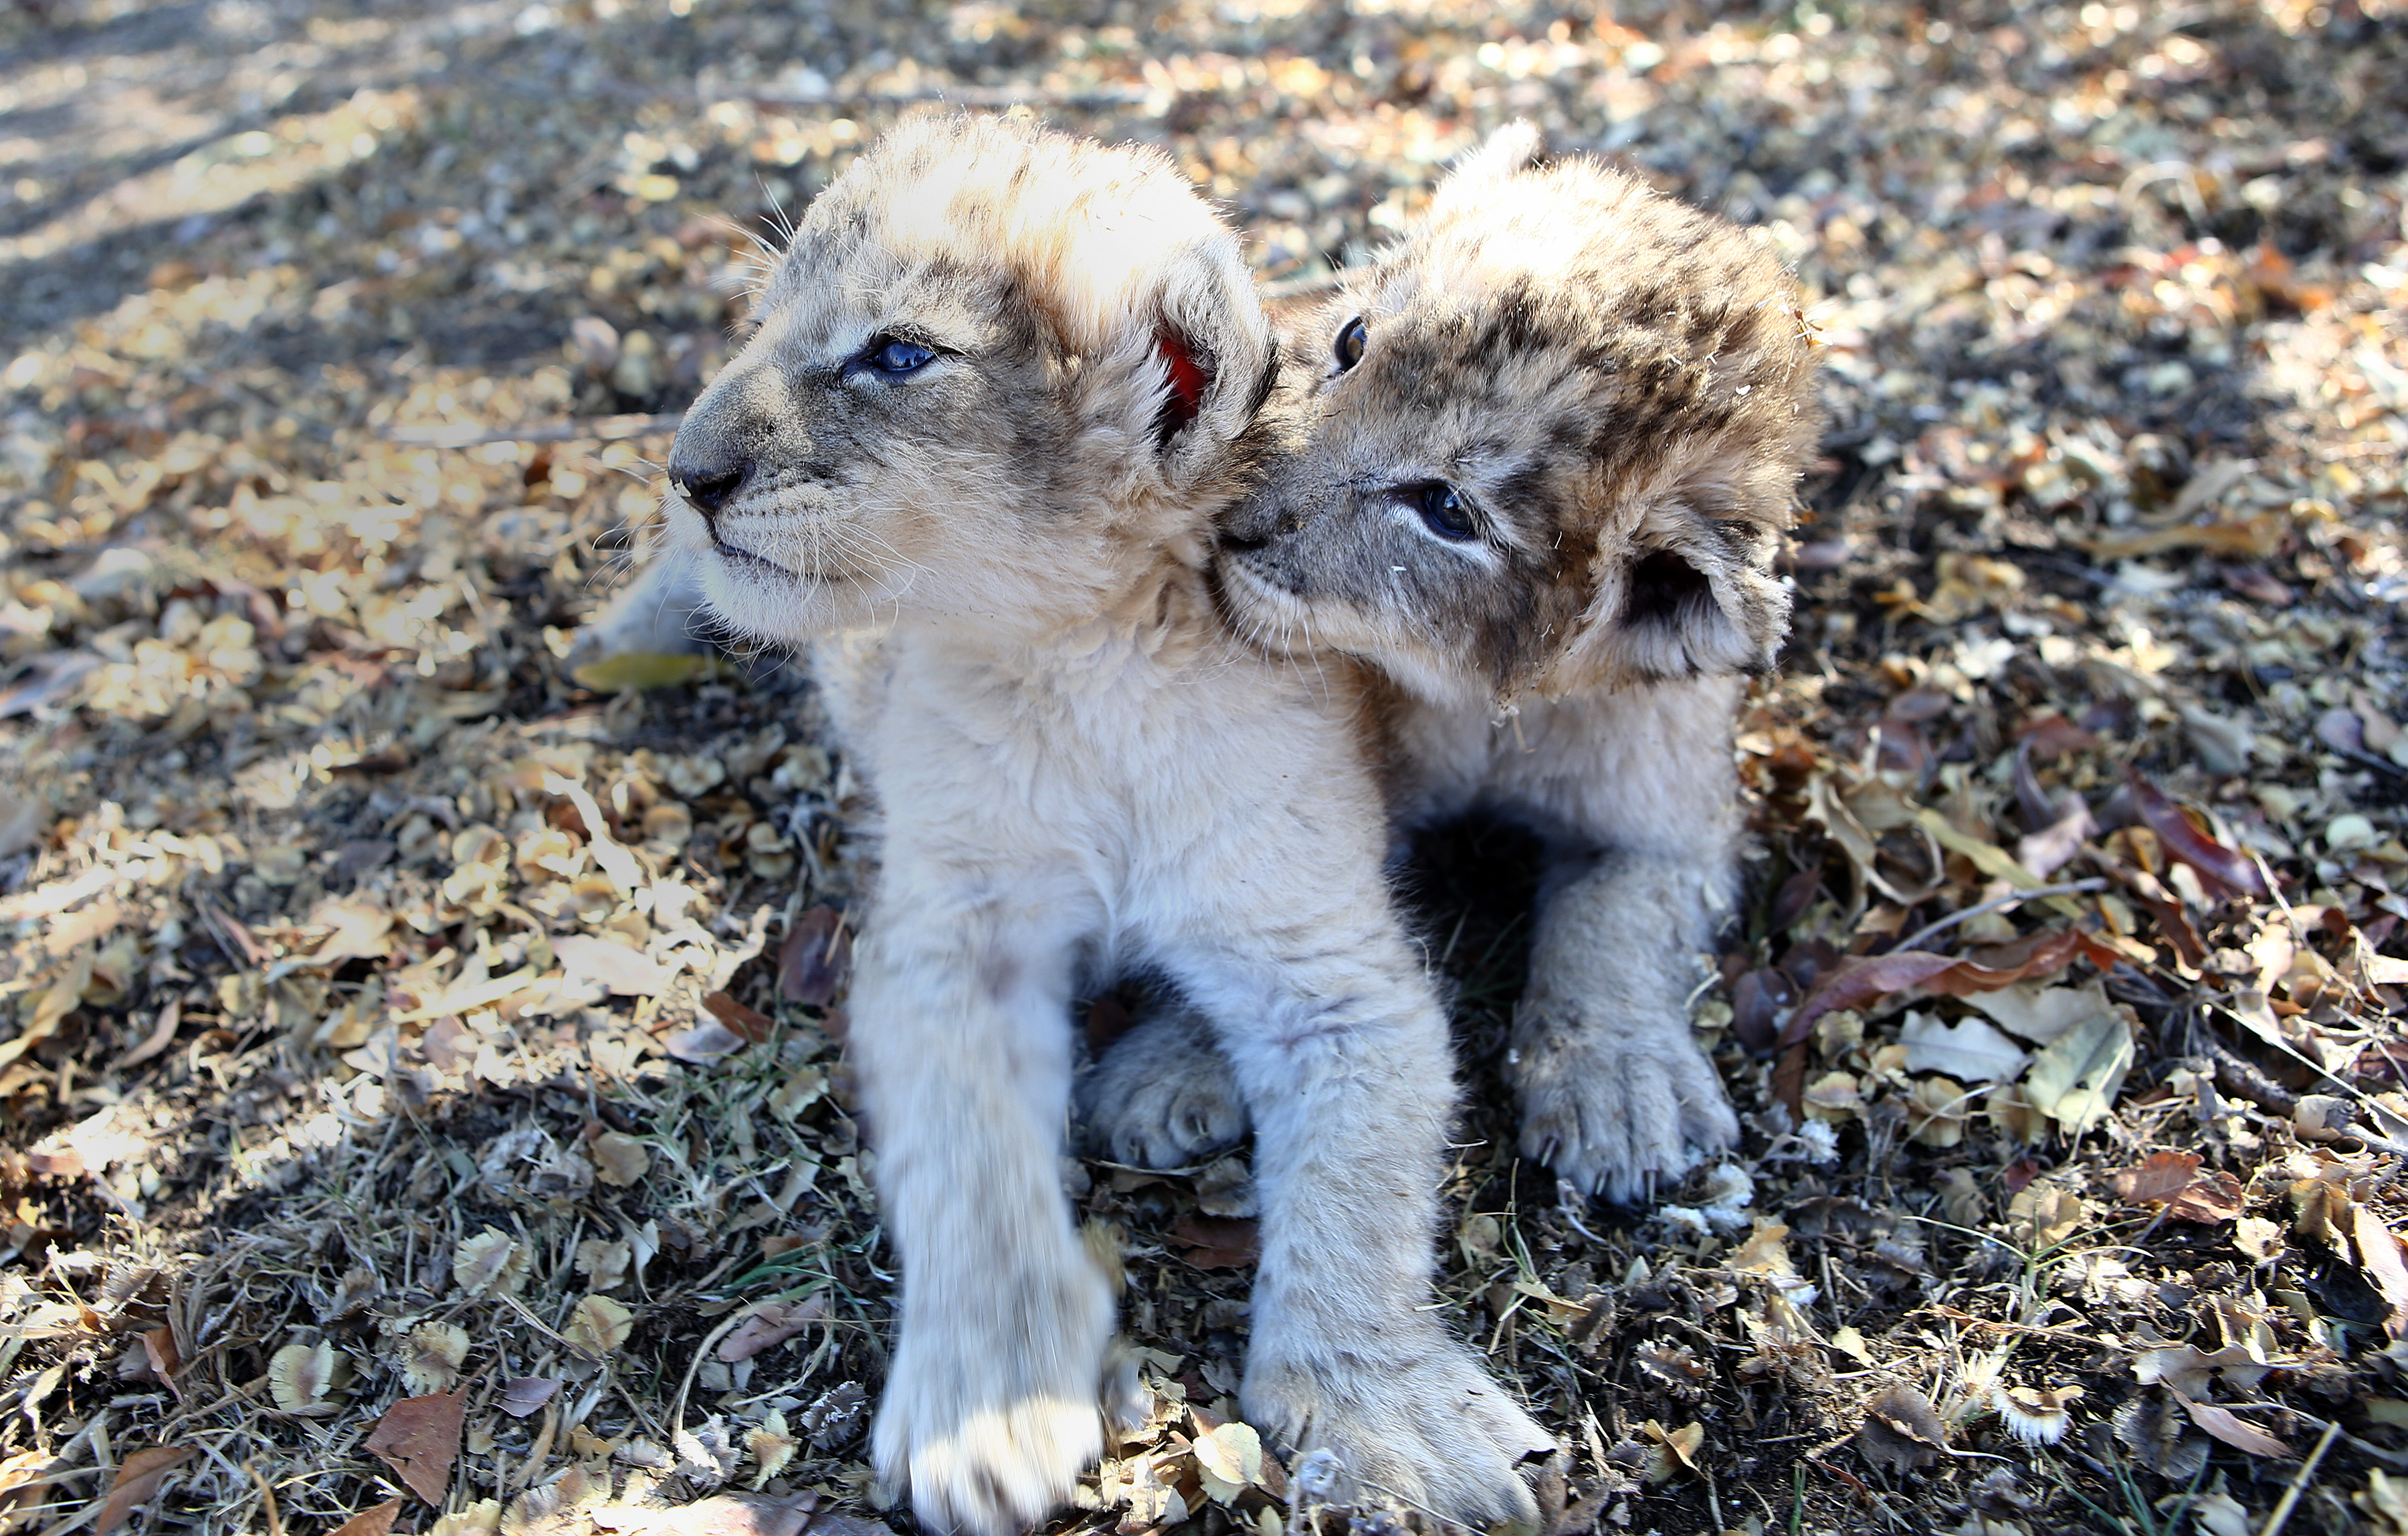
(1348, 349)
(1444, 510)
(894, 358)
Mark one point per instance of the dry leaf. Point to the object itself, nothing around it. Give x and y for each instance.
(1765, 1252)
(814, 958)
(2225, 871)
(2188, 1369)
(589, 960)
(2163, 1176)
(523, 1394)
(1970, 1050)
(638, 671)
(604, 1264)
(1672, 1451)
(2042, 1013)
(2378, 1255)
(418, 1438)
(2075, 1079)
(707, 1454)
(299, 1376)
(2046, 1213)
(376, 1521)
(431, 1356)
(750, 1023)
(599, 1325)
(490, 1263)
(1218, 1242)
(1854, 983)
(705, 1043)
(2385, 1498)
(2257, 1239)
(137, 1483)
(159, 1345)
(1677, 1367)
(1229, 1459)
(619, 1159)
(1901, 1431)
(2214, 1197)
(2234, 1430)
(771, 1324)
(362, 931)
(772, 1445)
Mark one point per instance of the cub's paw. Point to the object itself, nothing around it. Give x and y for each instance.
(987, 1424)
(1426, 1428)
(1617, 1110)
(659, 612)
(1163, 1095)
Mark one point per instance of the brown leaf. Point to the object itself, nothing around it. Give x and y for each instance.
(2232, 1429)
(419, 1438)
(618, 1158)
(163, 1035)
(2225, 871)
(705, 1043)
(159, 1345)
(523, 1395)
(1857, 982)
(1901, 1431)
(2165, 1175)
(2214, 1197)
(370, 1522)
(772, 1325)
(137, 1479)
(2378, 1255)
(813, 960)
(1218, 1242)
(750, 1023)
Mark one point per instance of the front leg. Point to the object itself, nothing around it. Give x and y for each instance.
(1341, 1053)
(1615, 1095)
(990, 1411)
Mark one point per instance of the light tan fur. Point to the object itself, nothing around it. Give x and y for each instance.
(999, 555)
(1618, 393)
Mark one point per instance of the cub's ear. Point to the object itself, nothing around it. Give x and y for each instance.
(1213, 353)
(1508, 149)
(1691, 592)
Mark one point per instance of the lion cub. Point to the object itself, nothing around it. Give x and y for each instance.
(1003, 381)
(1545, 454)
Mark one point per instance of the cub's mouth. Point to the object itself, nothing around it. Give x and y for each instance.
(740, 561)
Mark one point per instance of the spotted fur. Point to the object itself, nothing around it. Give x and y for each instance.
(1619, 392)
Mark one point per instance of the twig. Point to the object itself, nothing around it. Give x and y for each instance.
(583, 429)
(2274, 1526)
(266, 1500)
(2070, 888)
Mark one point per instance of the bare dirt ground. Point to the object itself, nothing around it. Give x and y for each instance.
(424, 1081)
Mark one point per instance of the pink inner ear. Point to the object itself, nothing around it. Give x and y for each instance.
(1188, 379)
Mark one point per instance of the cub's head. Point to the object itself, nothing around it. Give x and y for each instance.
(1547, 444)
(994, 367)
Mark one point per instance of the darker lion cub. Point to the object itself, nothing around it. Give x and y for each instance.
(1546, 453)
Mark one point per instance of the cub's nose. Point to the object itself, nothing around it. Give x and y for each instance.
(707, 484)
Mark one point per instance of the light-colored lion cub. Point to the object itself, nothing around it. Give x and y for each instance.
(1001, 383)
(1546, 452)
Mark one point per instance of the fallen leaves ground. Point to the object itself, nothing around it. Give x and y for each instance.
(424, 1081)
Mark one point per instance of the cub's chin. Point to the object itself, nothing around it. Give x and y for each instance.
(1264, 611)
(756, 596)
